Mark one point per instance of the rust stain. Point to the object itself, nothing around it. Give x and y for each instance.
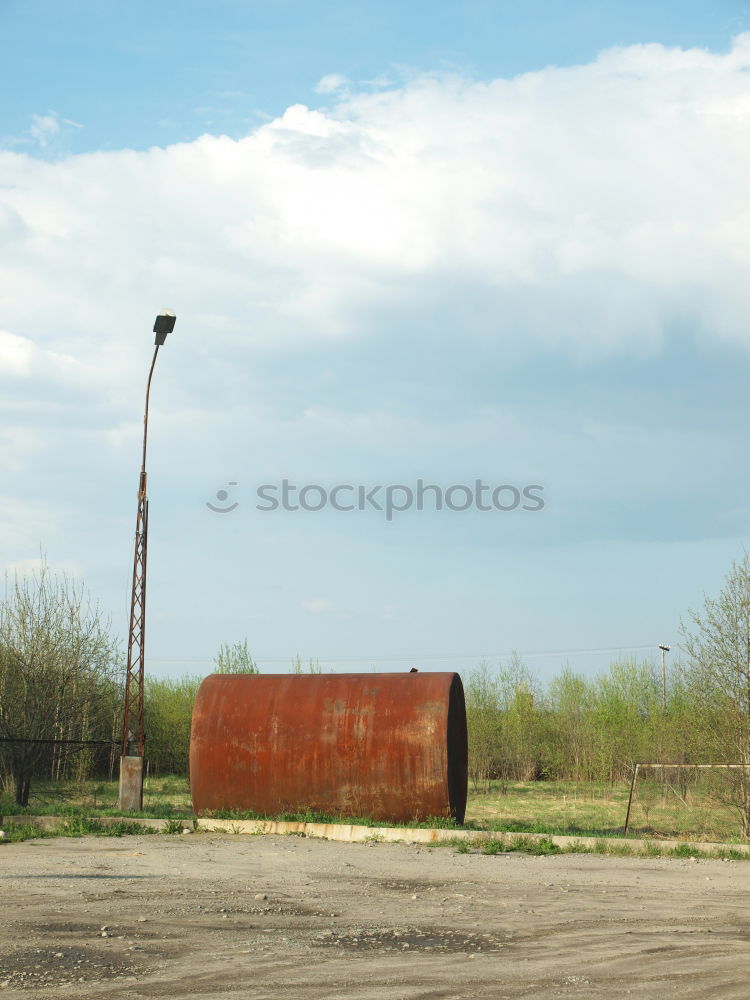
(386, 746)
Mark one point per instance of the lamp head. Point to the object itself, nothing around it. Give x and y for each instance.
(665, 648)
(163, 325)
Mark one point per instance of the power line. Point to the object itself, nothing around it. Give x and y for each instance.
(430, 657)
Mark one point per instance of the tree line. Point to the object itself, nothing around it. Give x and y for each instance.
(61, 676)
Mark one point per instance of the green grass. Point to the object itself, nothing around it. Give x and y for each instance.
(573, 809)
(163, 798)
(77, 826)
(597, 809)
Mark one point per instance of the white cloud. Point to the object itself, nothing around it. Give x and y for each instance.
(591, 207)
(16, 354)
(353, 285)
(330, 83)
(597, 209)
(45, 128)
(20, 356)
(317, 605)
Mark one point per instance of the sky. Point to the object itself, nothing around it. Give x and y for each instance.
(497, 247)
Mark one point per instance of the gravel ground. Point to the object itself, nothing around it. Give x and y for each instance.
(269, 917)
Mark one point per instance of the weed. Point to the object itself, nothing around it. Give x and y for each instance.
(539, 847)
(494, 846)
(683, 851)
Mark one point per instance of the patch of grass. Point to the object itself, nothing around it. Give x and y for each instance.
(493, 846)
(651, 850)
(577, 847)
(76, 826)
(163, 798)
(84, 826)
(597, 809)
(541, 846)
(567, 808)
(733, 855)
(503, 845)
(173, 826)
(15, 834)
(623, 850)
(683, 851)
(290, 816)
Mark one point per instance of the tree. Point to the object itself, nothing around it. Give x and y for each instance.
(717, 644)
(58, 674)
(235, 659)
(570, 700)
(168, 711)
(483, 724)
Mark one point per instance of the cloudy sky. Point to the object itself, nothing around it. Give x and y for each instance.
(508, 242)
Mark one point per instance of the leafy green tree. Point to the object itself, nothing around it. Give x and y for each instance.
(481, 691)
(521, 720)
(717, 643)
(59, 672)
(626, 703)
(235, 659)
(168, 706)
(570, 699)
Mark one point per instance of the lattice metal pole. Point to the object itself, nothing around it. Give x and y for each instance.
(133, 735)
(133, 732)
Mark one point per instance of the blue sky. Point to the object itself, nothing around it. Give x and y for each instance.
(505, 241)
(142, 74)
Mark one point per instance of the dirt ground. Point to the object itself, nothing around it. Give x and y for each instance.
(284, 917)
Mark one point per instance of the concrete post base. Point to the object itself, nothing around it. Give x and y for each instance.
(131, 783)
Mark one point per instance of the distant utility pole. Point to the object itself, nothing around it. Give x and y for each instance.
(664, 649)
(133, 735)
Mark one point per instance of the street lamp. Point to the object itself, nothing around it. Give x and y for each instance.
(133, 736)
(664, 649)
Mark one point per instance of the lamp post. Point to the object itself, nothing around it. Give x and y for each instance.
(133, 736)
(664, 649)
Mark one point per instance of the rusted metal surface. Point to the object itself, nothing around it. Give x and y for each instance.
(384, 746)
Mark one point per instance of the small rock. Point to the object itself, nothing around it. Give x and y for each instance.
(415, 896)
(141, 920)
(261, 895)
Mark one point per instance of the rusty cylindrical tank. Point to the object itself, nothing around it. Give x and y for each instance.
(384, 746)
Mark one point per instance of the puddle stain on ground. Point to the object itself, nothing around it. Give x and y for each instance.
(411, 938)
(38, 967)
